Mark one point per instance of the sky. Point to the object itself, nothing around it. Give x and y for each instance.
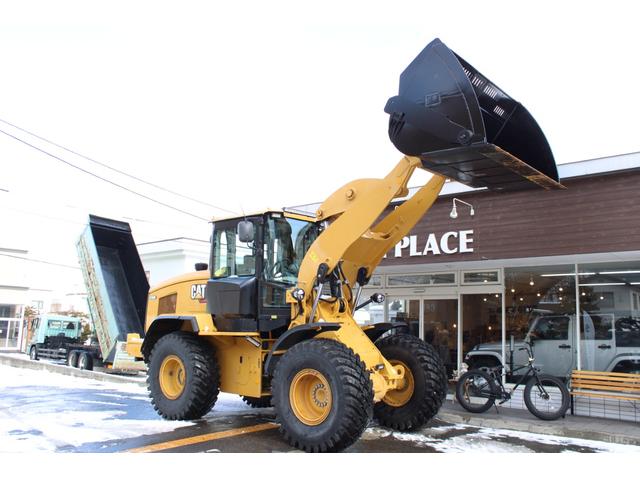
(249, 105)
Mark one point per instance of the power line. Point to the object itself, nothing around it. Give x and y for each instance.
(104, 179)
(159, 187)
(39, 261)
(116, 216)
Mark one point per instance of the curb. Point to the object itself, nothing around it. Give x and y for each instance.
(17, 362)
(552, 428)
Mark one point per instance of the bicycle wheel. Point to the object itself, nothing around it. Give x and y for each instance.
(547, 399)
(476, 391)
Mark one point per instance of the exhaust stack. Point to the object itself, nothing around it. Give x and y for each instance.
(464, 127)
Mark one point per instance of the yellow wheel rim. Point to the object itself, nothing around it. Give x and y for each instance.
(172, 377)
(310, 397)
(404, 392)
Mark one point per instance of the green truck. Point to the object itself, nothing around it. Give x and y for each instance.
(58, 337)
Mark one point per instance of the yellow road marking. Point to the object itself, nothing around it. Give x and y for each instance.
(203, 438)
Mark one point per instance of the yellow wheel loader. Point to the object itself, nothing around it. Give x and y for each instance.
(271, 317)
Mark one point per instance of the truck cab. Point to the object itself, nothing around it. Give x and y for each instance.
(608, 342)
(53, 331)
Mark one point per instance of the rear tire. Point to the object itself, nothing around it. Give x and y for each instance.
(85, 361)
(547, 408)
(478, 385)
(323, 396)
(408, 410)
(72, 359)
(184, 377)
(257, 402)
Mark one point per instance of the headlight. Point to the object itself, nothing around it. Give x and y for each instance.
(377, 298)
(298, 294)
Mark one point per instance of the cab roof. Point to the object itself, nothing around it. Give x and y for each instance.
(287, 212)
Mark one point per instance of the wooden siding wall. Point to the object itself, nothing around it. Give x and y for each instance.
(596, 214)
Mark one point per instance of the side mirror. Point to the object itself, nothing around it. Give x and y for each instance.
(245, 231)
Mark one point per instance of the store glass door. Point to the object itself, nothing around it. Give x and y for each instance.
(440, 327)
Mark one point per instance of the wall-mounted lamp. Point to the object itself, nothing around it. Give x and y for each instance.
(454, 210)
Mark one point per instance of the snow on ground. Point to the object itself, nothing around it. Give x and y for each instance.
(44, 411)
(492, 440)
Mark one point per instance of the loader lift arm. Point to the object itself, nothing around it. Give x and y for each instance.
(356, 238)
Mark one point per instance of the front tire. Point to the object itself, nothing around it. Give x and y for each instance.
(33, 353)
(184, 377)
(425, 387)
(542, 399)
(323, 396)
(476, 391)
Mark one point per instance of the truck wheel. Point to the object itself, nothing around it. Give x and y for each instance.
(72, 359)
(183, 377)
(33, 353)
(85, 361)
(323, 396)
(255, 402)
(424, 389)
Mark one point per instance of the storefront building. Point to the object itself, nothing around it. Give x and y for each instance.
(559, 267)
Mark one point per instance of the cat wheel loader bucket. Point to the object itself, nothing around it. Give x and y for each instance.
(464, 127)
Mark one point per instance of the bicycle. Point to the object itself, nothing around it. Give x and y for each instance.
(545, 396)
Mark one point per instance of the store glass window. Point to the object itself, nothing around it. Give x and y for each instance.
(4, 333)
(421, 280)
(6, 311)
(407, 311)
(482, 323)
(480, 277)
(610, 317)
(12, 334)
(541, 310)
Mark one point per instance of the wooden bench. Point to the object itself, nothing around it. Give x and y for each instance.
(614, 385)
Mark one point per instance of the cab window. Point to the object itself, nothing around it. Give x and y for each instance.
(231, 257)
(286, 242)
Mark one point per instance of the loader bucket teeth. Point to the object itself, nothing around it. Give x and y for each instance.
(464, 127)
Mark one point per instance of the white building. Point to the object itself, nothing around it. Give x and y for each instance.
(164, 259)
(14, 296)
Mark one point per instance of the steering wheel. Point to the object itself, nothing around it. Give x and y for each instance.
(281, 269)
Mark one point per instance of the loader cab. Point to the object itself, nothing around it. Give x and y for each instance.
(254, 261)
